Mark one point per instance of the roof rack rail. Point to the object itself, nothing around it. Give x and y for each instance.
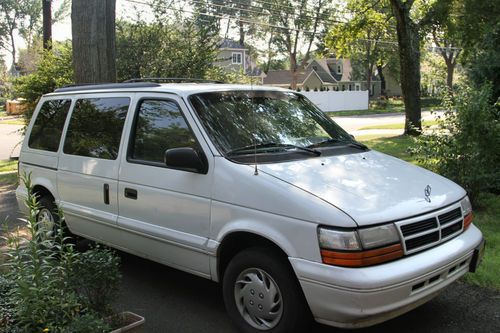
(171, 80)
(93, 86)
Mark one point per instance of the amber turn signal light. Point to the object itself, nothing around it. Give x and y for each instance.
(362, 258)
(467, 221)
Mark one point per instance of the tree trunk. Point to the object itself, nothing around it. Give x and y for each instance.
(382, 80)
(93, 29)
(409, 56)
(293, 69)
(47, 24)
(13, 50)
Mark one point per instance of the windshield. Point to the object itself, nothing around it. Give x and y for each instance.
(264, 122)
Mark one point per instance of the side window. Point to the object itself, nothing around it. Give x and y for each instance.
(96, 127)
(48, 126)
(159, 126)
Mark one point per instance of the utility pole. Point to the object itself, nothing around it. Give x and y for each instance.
(47, 24)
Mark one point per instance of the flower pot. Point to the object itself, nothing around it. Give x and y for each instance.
(131, 323)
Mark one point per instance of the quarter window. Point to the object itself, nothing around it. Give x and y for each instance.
(48, 126)
(96, 127)
(159, 126)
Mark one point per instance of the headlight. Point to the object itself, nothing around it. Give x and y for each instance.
(363, 247)
(378, 236)
(338, 240)
(466, 206)
(466, 212)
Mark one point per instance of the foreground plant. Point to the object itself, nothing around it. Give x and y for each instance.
(48, 287)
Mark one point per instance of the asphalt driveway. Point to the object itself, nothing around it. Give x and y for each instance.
(174, 301)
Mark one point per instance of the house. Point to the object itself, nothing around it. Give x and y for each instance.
(234, 57)
(324, 74)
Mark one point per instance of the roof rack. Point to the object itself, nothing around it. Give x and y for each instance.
(92, 86)
(171, 80)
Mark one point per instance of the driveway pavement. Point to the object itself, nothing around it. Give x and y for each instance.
(10, 138)
(174, 301)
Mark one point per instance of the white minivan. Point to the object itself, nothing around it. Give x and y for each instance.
(253, 187)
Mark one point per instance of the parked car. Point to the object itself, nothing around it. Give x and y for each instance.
(255, 188)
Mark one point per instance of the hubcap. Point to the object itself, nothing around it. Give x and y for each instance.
(258, 299)
(46, 220)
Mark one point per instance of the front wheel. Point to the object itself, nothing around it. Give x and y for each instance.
(261, 293)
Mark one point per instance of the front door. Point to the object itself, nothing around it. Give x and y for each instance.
(164, 212)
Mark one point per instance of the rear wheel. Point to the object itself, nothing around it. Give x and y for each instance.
(261, 293)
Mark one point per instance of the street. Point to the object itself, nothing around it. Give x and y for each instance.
(10, 138)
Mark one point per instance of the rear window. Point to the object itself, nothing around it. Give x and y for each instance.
(96, 126)
(48, 126)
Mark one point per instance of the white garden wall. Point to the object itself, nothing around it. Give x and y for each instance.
(338, 100)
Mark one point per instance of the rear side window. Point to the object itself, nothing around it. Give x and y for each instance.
(159, 126)
(48, 126)
(96, 127)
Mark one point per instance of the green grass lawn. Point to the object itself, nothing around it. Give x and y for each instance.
(8, 178)
(388, 106)
(393, 145)
(7, 165)
(486, 218)
(425, 123)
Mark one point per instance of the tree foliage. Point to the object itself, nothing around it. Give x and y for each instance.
(363, 37)
(479, 29)
(164, 50)
(53, 71)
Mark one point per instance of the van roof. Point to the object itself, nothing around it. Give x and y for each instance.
(182, 89)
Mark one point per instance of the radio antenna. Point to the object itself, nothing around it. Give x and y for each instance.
(254, 111)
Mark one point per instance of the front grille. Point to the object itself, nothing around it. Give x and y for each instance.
(415, 228)
(422, 240)
(445, 232)
(432, 229)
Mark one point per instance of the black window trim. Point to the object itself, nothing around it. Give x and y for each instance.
(74, 99)
(131, 138)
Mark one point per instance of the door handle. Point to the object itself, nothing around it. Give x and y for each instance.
(130, 193)
(106, 193)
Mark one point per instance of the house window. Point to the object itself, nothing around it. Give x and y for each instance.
(237, 57)
(339, 69)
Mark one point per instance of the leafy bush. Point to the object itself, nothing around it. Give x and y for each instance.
(51, 287)
(465, 147)
(95, 277)
(53, 71)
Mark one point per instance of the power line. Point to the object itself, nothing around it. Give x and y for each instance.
(236, 18)
(320, 17)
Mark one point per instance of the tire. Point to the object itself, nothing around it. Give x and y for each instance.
(48, 219)
(262, 294)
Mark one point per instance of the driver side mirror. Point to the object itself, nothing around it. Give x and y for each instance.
(186, 159)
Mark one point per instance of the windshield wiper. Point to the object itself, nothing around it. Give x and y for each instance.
(273, 145)
(354, 144)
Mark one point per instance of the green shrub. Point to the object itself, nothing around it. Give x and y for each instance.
(53, 71)
(465, 148)
(42, 270)
(95, 277)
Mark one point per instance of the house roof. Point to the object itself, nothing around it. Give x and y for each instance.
(283, 77)
(231, 44)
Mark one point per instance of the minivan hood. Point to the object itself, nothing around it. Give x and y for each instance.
(369, 186)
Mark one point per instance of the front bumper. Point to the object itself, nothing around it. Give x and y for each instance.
(360, 297)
